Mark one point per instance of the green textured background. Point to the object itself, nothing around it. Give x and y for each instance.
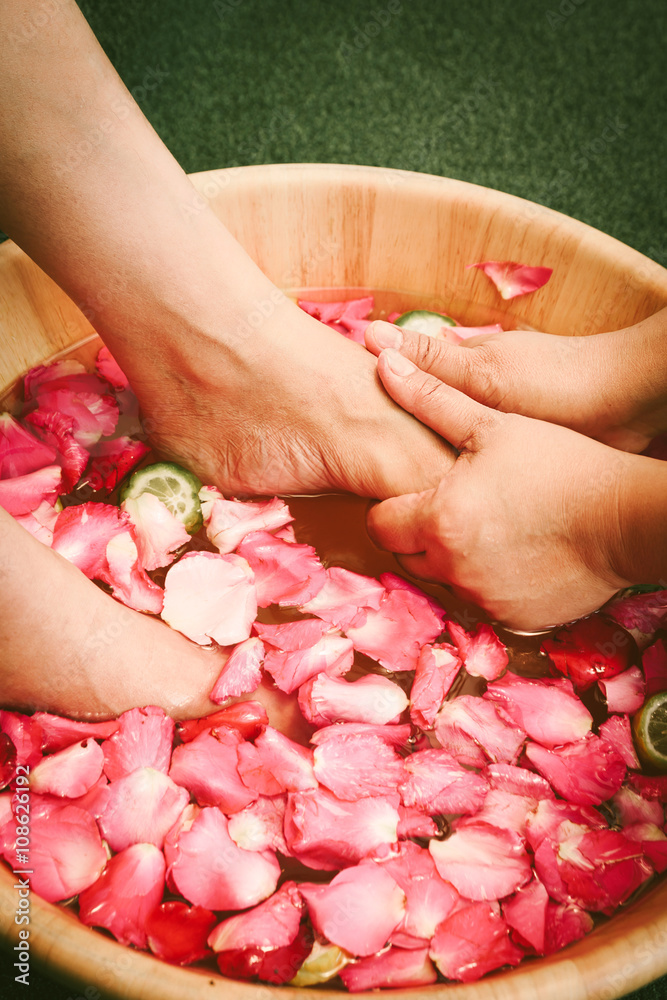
(557, 101)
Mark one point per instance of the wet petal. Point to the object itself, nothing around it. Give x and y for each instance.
(210, 597)
(513, 279)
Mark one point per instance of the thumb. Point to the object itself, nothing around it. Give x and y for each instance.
(453, 415)
(450, 362)
(397, 524)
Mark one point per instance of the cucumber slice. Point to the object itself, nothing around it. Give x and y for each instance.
(423, 321)
(650, 731)
(176, 487)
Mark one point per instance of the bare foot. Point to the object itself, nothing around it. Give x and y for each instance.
(292, 408)
(71, 649)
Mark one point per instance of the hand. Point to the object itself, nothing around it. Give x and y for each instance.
(610, 386)
(525, 522)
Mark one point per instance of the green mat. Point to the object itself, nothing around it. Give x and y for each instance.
(559, 101)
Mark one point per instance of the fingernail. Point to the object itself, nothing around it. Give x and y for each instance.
(398, 364)
(387, 336)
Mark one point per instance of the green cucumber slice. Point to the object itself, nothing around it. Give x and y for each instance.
(176, 487)
(423, 321)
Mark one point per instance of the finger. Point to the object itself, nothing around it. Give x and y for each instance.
(450, 362)
(452, 414)
(398, 524)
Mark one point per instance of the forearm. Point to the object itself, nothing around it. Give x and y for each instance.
(639, 553)
(633, 366)
(117, 231)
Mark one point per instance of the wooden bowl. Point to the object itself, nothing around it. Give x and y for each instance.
(345, 227)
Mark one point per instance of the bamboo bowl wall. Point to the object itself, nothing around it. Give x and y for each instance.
(328, 226)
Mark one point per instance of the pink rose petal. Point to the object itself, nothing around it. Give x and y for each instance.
(548, 710)
(436, 783)
(644, 612)
(66, 851)
(23, 494)
(56, 431)
(208, 767)
(93, 414)
(473, 941)
(394, 634)
(259, 827)
(586, 772)
(25, 733)
(526, 914)
(355, 767)
(242, 673)
(290, 636)
(126, 893)
(632, 808)
(392, 581)
(272, 924)
(64, 374)
(391, 969)
(333, 655)
(564, 925)
(437, 668)
(616, 731)
(157, 532)
(58, 733)
(415, 823)
(139, 808)
(127, 578)
(111, 460)
(506, 810)
(40, 522)
(654, 663)
(372, 699)
(227, 522)
(247, 717)
(429, 899)
(210, 597)
(518, 781)
(272, 965)
(82, 533)
(514, 279)
(344, 598)
(69, 772)
(601, 868)
(285, 573)
(626, 691)
(370, 899)
(110, 370)
(20, 451)
(481, 721)
(207, 867)
(324, 832)
(276, 764)
(143, 739)
(482, 862)
(396, 736)
(553, 818)
(482, 652)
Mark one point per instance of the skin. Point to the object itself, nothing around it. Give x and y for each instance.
(536, 522)
(291, 408)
